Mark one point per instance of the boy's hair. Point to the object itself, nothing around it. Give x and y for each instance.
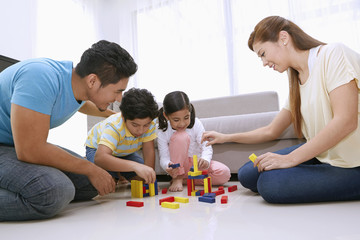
(108, 61)
(138, 103)
(173, 102)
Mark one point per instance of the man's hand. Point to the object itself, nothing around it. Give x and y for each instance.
(101, 180)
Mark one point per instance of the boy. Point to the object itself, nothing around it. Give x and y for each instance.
(113, 143)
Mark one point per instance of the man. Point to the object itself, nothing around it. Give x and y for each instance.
(38, 179)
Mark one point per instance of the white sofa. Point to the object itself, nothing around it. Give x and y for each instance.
(233, 114)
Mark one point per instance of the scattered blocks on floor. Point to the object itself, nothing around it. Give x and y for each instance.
(232, 188)
(134, 204)
(168, 199)
(211, 195)
(181, 199)
(219, 192)
(207, 199)
(171, 205)
(224, 199)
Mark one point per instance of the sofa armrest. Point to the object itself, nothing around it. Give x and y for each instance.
(244, 123)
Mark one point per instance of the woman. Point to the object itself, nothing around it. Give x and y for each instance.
(322, 106)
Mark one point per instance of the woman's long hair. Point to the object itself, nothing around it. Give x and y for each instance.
(267, 30)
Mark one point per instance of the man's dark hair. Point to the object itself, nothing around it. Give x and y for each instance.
(108, 61)
(138, 103)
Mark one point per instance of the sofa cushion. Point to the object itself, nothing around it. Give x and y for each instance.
(243, 123)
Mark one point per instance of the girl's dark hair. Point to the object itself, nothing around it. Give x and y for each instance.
(173, 102)
(267, 30)
(108, 61)
(138, 103)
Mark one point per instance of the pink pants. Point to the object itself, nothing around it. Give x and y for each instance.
(179, 148)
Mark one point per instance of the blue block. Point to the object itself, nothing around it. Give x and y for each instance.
(156, 187)
(197, 177)
(176, 165)
(210, 195)
(206, 199)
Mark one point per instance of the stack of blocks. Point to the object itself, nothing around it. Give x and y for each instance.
(196, 174)
(140, 190)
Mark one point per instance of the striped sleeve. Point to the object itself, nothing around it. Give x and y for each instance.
(110, 137)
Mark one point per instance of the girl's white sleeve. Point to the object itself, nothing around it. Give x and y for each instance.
(163, 147)
(206, 151)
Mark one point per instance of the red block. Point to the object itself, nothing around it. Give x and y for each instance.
(221, 188)
(134, 204)
(224, 199)
(168, 199)
(232, 188)
(219, 192)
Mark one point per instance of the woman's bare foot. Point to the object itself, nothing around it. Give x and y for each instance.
(176, 185)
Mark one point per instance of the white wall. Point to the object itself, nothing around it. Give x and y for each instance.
(18, 28)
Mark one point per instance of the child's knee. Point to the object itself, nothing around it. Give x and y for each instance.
(221, 175)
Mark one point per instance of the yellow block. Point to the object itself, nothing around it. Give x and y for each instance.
(170, 205)
(194, 174)
(206, 185)
(195, 163)
(152, 189)
(253, 157)
(181, 199)
(137, 189)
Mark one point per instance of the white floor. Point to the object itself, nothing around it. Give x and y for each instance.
(246, 216)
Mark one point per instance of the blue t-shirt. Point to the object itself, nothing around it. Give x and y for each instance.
(42, 85)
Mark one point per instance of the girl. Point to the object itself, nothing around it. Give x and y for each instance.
(323, 107)
(179, 138)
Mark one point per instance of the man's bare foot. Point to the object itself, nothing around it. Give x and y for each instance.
(176, 185)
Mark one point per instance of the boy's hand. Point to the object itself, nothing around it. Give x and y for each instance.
(145, 172)
(203, 164)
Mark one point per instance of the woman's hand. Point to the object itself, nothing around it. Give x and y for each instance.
(212, 137)
(270, 161)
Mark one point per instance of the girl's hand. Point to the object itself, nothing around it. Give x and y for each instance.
(212, 137)
(270, 161)
(203, 164)
(173, 172)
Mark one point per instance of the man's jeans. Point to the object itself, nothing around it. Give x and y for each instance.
(311, 181)
(29, 191)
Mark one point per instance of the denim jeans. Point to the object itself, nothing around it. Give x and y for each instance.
(30, 191)
(90, 155)
(311, 181)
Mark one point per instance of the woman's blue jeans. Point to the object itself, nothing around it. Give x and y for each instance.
(90, 155)
(30, 191)
(311, 181)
